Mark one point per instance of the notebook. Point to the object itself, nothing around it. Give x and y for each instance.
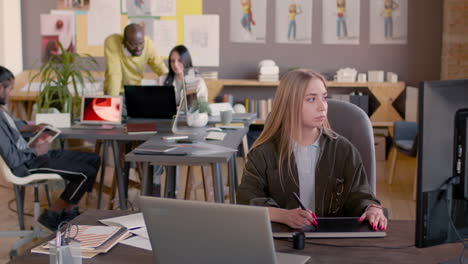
(331, 227)
(210, 233)
(142, 128)
(150, 101)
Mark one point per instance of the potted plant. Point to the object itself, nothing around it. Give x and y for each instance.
(198, 113)
(57, 74)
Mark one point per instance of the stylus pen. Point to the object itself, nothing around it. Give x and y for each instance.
(299, 201)
(303, 207)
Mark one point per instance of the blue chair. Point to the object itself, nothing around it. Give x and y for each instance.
(405, 140)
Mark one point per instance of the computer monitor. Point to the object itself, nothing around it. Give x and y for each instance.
(442, 208)
(101, 110)
(150, 101)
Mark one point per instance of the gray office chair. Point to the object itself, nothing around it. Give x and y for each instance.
(353, 123)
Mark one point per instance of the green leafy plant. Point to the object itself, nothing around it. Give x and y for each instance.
(57, 73)
(201, 106)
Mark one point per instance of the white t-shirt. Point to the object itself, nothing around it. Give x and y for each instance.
(306, 162)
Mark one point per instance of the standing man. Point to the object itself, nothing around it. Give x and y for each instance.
(126, 58)
(79, 169)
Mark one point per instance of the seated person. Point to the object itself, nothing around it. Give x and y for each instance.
(126, 58)
(78, 169)
(179, 61)
(299, 152)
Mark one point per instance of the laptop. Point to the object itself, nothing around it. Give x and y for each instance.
(150, 101)
(100, 111)
(199, 232)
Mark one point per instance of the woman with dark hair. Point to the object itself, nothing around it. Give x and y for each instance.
(179, 62)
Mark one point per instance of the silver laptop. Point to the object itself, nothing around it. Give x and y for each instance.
(199, 232)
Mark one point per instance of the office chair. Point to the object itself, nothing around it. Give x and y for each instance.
(19, 184)
(405, 142)
(352, 122)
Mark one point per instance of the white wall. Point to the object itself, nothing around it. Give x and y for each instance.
(11, 44)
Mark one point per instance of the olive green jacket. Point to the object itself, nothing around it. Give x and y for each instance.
(341, 185)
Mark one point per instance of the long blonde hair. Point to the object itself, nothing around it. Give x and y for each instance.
(285, 119)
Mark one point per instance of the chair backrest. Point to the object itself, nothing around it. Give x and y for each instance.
(5, 171)
(352, 122)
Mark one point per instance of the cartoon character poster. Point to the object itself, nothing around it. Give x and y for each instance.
(248, 21)
(340, 21)
(388, 21)
(293, 21)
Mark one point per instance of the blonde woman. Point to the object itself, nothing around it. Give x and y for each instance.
(298, 152)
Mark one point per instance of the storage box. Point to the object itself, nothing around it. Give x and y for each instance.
(379, 144)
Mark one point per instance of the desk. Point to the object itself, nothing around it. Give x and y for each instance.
(232, 140)
(110, 137)
(399, 233)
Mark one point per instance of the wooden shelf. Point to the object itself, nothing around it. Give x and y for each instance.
(384, 92)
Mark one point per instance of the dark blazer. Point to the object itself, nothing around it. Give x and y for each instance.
(341, 185)
(15, 158)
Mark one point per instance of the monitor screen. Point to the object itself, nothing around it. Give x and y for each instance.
(101, 109)
(442, 209)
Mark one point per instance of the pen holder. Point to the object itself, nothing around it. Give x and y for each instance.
(67, 254)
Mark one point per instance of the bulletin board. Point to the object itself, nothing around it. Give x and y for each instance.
(183, 7)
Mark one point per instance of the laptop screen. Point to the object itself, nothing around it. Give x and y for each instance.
(101, 110)
(150, 101)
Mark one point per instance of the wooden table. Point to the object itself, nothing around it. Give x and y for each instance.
(400, 234)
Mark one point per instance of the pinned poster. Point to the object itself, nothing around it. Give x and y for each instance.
(164, 8)
(340, 20)
(151, 7)
(55, 28)
(139, 7)
(293, 21)
(98, 28)
(388, 21)
(248, 21)
(165, 36)
(73, 4)
(201, 37)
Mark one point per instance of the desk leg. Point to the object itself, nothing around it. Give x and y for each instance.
(105, 145)
(147, 184)
(171, 178)
(232, 174)
(217, 182)
(120, 176)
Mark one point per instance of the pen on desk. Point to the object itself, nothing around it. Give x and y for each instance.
(304, 208)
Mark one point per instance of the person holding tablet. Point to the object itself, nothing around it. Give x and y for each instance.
(79, 169)
(298, 152)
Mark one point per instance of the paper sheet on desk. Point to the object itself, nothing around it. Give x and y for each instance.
(139, 242)
(129, 221)
(142, 232)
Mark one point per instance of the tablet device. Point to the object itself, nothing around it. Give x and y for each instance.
(46, 134)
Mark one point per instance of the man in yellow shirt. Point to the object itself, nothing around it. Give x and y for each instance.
(126, 58)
